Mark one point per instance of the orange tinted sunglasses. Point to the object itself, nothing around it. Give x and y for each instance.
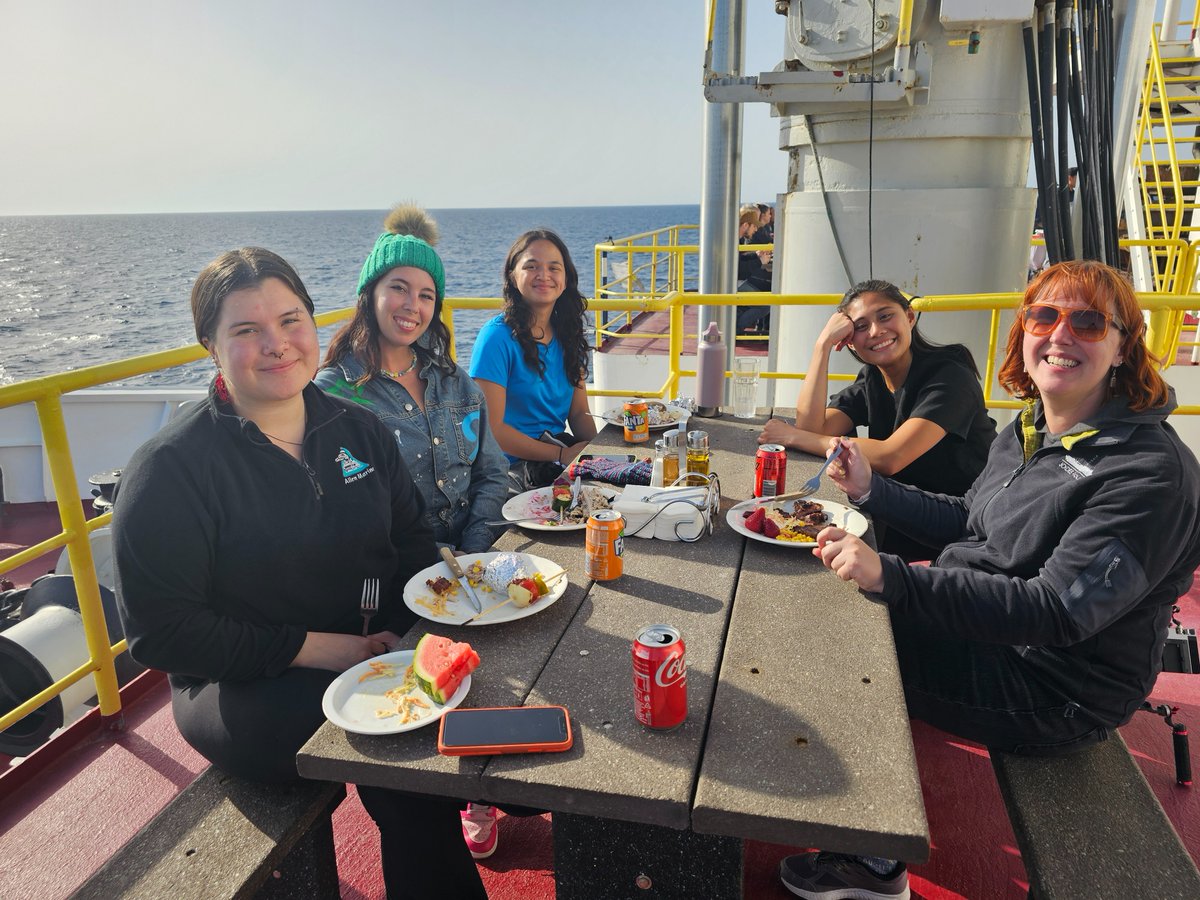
(1039, 319)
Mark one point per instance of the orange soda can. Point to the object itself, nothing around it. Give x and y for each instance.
(637, 425)
(604, 543)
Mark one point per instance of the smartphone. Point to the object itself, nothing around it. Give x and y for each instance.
(504, 729)
(615, 457)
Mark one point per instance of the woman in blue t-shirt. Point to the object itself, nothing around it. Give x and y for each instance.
(921, 403)
(531, 362)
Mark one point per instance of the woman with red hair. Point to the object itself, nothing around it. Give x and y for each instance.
(1040, 627)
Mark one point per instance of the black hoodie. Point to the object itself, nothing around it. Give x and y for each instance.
(228, 550)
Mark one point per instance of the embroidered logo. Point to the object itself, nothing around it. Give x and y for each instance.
(350, 465)
(1075, 467)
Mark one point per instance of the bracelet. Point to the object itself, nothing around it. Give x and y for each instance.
(558, 456)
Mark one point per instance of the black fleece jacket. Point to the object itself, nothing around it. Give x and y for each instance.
(1074, 557)
(228, 550)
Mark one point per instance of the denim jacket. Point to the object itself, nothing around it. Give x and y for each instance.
(455, 461)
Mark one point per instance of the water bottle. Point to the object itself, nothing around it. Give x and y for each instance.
(710, 372)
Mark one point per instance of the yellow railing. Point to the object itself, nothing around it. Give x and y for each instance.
(46, 393)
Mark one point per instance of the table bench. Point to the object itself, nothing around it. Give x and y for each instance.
(1089, 826)
(223, 837)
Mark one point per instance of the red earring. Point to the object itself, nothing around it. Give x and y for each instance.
(222, 390)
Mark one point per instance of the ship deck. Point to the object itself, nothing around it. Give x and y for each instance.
(58, 823)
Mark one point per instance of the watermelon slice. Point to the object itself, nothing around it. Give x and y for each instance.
(441, 664)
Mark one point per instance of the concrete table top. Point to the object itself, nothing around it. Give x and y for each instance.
(796, 731)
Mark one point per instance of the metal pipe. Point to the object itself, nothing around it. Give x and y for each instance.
(721, 173)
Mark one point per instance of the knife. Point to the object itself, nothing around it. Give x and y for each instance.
(456, 570)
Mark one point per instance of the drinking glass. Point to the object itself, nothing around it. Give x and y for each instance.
(745, 387)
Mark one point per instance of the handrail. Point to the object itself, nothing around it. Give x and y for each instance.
(46, 393)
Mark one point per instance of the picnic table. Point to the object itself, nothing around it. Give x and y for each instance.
(796, 731)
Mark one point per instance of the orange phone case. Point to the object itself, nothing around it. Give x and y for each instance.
(485, 749)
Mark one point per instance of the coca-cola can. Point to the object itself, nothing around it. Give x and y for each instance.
(659, 677)
(770, 470)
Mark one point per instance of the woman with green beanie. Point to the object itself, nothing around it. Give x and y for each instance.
(393, 358)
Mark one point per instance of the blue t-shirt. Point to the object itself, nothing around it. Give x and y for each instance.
(534, 403)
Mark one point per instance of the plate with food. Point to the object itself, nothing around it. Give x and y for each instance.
(403, 690)
(794, 523)
(538, 509)
(509, 586)
(658, 415)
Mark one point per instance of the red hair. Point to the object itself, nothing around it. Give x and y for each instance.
(1104, 288)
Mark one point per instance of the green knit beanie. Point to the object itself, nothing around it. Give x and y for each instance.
(408, 241)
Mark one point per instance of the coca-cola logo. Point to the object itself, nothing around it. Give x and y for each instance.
(671, 670)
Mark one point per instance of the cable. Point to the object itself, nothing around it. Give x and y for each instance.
(837, 240)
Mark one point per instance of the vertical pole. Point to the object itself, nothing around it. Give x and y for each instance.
(721, 175)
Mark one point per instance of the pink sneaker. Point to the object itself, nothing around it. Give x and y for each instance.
(479, 829)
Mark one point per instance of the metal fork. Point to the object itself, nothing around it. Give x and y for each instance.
(370, 602)
(813, 484)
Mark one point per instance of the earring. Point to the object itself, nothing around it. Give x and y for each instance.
(1112, 379)
(220, 387)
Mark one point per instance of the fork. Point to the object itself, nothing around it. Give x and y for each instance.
(370, 602)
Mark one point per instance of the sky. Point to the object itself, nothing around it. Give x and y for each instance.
(126, 106)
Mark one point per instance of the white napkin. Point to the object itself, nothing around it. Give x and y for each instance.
(673, 521)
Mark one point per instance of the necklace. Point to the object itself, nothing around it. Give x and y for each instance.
(282, 440)
(398, 375)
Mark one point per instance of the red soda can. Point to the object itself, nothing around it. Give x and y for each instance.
(770, 470)
(604, 545)
(636, 414)
(659, 677)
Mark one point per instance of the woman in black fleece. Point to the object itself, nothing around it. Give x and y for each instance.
(243, 532)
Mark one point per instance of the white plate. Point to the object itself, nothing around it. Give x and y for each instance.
(617, 417)
(840, 515)
(459, 609)
(537, 503)
(351, 704)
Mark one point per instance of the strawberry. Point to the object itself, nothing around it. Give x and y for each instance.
(754, 521)
(770, 529)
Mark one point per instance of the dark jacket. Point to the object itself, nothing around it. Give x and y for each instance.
(228, 550)
(1074, 556)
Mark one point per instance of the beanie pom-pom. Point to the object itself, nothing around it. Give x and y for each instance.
(412, 220)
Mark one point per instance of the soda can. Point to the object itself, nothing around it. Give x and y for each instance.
(770, 470)
(637, 422)
(604, 543)
(659, 677)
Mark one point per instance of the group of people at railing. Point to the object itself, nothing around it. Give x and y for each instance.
(244, 530)
(756, 225)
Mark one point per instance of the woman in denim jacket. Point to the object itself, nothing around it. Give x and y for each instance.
(393, 358)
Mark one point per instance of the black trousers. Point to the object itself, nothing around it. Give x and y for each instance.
(987, 693)
(254, 729)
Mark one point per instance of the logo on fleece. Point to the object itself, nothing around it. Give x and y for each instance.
(470, 430)
(352, 468)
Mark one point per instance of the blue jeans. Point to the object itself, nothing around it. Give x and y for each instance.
(986, 693)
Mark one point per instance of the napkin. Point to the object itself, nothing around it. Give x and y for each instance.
(649, 513)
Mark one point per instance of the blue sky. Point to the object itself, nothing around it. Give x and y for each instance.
(138, 106)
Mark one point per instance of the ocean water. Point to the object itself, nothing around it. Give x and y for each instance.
(81, 290)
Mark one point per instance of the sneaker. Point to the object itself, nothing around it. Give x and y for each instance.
(836, 876)
(479, 829)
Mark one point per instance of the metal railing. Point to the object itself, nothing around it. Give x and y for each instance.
(46, 393)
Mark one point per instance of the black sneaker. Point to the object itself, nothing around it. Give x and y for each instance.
(835, 876)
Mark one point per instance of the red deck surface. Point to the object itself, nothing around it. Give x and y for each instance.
(57, 828)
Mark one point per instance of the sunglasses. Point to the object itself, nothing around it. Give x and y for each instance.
(1040, 319)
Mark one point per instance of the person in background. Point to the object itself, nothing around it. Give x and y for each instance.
(1040, 627)
(531, 362)
(766, 225)
(393, 358)
(243, 534)
(921, 403)
(754, 270)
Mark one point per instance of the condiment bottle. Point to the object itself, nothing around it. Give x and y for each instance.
(667, 450)
(697, 456)
(710, 372)
(656, 468)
